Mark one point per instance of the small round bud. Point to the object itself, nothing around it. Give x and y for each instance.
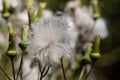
(11, 53)
(95, 56)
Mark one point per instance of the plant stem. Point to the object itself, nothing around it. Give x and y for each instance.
(45, 72)
(41, 76)
(42, 71)
(13, 69)
(5, 73)
(82, 73)
(63, 69)
(21, 72)
(20, 66)
(90, 71)
(39, 70)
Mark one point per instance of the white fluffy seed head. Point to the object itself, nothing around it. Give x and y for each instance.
(49, 41)
(83, 19)
(100, 29)
(73, 31)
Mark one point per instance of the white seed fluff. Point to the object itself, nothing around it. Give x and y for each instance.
(49, 41)
(100, 29)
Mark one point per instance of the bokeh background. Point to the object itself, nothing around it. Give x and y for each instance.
(108, 66)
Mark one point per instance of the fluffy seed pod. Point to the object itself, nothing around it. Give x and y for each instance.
(49, 41)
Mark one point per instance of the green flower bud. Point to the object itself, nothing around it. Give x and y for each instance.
(31, 15)
(5, 12)
(24, 37)
(95, 55)
(96, 13)
(42, 5)
(11, 52)
(86, 58)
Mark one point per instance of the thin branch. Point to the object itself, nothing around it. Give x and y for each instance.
(41, 76)
(20, 66)
(21, 73)
(63, 69)
(90, 71)
(45, 72)
(82, 73)
(13, 69)
(39, 68)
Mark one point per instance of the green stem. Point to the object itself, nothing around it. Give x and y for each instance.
(63, 69)
(21, 62)
(82, 74)
(5, 73)
(90, 71)
(13, 69)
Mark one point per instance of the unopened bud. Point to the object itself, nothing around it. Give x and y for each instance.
(11, 52)
(86, 58)
(42, 5)
(5, 12)
(95, 55)
(96, 13)
(31, 15)
(24, 37)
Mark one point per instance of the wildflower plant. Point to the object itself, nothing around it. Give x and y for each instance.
(47, 43)
(12, 52)
(5, 12)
